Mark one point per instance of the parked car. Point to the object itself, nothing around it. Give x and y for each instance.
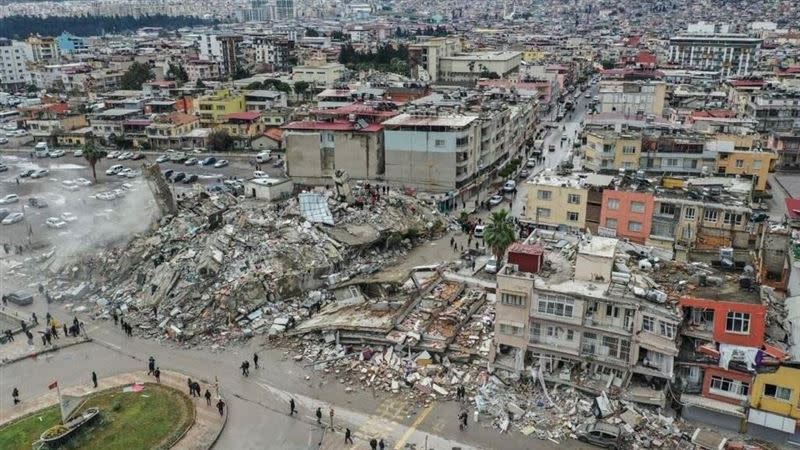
(531, 163)
(4, 212)
(55, 222)
(601, 434)
(177, 157)
(56, 153)
(112, 155)
(208, 161)
(178, 177)
(83, 182)
(221, 163)
(137, 156)
(68, 217)
(479, 230)
(10, 198)
(37, 202)
(524, 173)
(3, 168)
(191, 178)
(263, 157)
(551, 148)
(510, 186)
(77, 153)
(19, 298)
(190, 162)
(495, 200)
(259, 174)
(115, 169)
(3, 141)
(491, 265)
(124, 172)
(41, 173)
(162, 159)
(13, 218)
(27, 173)
(168, 173)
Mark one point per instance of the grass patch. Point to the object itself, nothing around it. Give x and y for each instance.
(152, 419)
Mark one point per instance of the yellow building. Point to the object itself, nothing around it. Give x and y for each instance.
(774, 398)
(608, 150)
(533, 56)
(214, 108)
(755, 163)
(557, 202)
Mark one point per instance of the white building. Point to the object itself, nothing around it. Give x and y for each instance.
(14, 72)
(732, 54)
(632, 97)
(319, 74)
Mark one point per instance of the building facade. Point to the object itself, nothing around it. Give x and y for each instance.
(732, 54)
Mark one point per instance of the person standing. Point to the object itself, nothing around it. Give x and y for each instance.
(15, 396)
(151, 365)
(94, 379)
(244, 368)
(255, 360)
(291, 407)
(381, 445)
(348, 437)
(373, 444)
(463, 419)
(191, 387)
(220, 406)
(331, 414)
(157, 373)
(319, 415)
(208, 398)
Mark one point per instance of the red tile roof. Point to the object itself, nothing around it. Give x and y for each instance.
(715, 114)
(276, 134)
(793, 207)
(746, 83)
(528, 249)
(249, 115)
(339, 125)
(646, 57)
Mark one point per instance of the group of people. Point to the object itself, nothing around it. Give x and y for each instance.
(126, 327)
(194, 391)
(153, 370)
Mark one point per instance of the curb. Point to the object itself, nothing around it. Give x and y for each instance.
(7, 362)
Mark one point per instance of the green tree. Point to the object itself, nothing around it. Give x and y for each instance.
(499, 233)
(310, 32)
(241, 72)
(200, 84)
(136, 75)
(220, 141)
(178, 73)
(300, 88)
(92, 154)
(608, 63)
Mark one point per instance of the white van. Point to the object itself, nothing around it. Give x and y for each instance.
(41, 150)
(115, 169)
(263, 157)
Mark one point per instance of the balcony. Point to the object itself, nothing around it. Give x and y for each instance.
(607, 325)
(556, 345)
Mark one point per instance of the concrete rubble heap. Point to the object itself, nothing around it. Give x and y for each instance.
(227, 268)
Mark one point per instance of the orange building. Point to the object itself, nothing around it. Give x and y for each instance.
(628, 213)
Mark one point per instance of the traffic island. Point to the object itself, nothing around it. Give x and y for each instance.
(135, 412)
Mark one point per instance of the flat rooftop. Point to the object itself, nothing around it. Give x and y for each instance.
(485, 56)
(598, 246)
(433, 121)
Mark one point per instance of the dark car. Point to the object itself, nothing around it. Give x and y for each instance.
(137, 156)
(601, 434)
(20, 298)
(168, 173)
(208, 161)
(759, 217)
(37, 202)
(178, 177)
(4, 212)
(190, 179)
(27, 173)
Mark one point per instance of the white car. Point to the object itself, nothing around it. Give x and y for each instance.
(510, 186)
(3, 141)
(77, 153)
(68, 217)
(115, 169)
(190, 162)
(56, 153)
(124, 172)
(112, 155)
(10, 198)
(133, 173)
(55, 222)
(531, 163)
(70, 185)
(83, 182)
(162, 159)
(107, 196)
(13, 218)
(491, 265)
(479, 230)
(221, 163)
(495, 200)
(41, 173)
(259, 174)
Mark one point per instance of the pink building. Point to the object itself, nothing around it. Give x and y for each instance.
(628, 213)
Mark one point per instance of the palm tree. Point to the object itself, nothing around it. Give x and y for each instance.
(92, 154)
(499, 233)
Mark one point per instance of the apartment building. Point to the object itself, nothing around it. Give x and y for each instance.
(466, 68)
(43, 49)
(774, 397)
(202, 70)
(632, 96)
(222, 48)
(732, 54)
(626, 213)
(424, 56)
(585, 325)
(436, 153)
(755, 164)
(14, 72)
(213, 108)
(774, 110)
(786, 146)
(167, 130)
(273, 51)
(263, 100)
(675, 153)
(556, 202)
(110, 123)
(320, 74)
(609, 151)
(243, 127)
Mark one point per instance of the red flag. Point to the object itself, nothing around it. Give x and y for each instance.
(53, 385)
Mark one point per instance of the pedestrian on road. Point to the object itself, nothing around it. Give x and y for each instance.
(381, 445)
(220, 406)
(115, 317)
(15, 395)
(331, 414)
(319, 415)
(348, 437)
(157, 373)
(191, 387)
(66, 332)
(196, 388)
(255, 360)
(463, 418)
(244, 368)
(54, 331)
(373, 444)
(151, 365)
(291, 407)
(35, 319)
(208, 398)
(94, 379)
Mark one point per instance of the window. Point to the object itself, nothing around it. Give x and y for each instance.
(689, 212)
(612, 311)
(634, 226)
(613, 203)
(627, 150)
(551, 332)
(757, 165)
(730, 218)
(574, 199)
(439, 142)
(572, 216)
(556, 305)
(738, 323)
(536, 329)
(648, 324)
(544, 195)
(512, 299)
(667, 329)
(637, 207)
(729, 387)
(781, 393)
(543, 212)
(739, 163)
(511, 330)
(570, 335)
(710, 215)
(667, 209)
(611, 223)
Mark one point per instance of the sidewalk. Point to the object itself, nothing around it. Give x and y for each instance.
(19, 349)
(202, 435)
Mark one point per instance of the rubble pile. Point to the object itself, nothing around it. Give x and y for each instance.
(225, 268)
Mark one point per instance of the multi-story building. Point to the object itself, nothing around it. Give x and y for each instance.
(284, 9)
(261, 100)
(583, 326)
(321, 74)
(222, 48)
(786, 146)
(243, 127)
(69, 44)
(732, 54)
(774, 397)
(609, 151)
(774, 110)
(274, 51)
(167, 131)
(755, 164)
(110, 123)
(14, 72)
(626, 213)
(213, 108)
(43, 49)
(556, 202)
(467, 68)
(424, 56)
(675, 153)
(202, 70)
(632, 96)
